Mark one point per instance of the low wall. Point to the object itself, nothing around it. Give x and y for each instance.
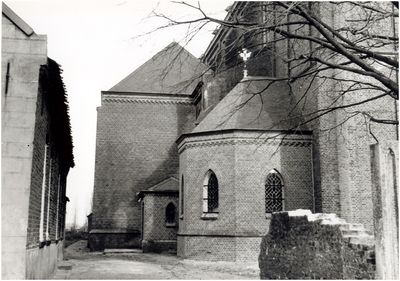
(301, 245)
(100, 239)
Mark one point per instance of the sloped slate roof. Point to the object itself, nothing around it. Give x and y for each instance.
(171, 71)
(168, 184)
(257, 104)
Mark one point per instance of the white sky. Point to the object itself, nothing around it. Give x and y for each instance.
(96, 45)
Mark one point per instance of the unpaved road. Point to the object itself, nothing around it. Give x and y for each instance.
(96, 265)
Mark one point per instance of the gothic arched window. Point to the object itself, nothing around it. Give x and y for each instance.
(274, 192)
(210, 193)
(170, 213)
(182, 198)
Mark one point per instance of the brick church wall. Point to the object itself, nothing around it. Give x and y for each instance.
(241, 162)
(135, 150)
(341, 150)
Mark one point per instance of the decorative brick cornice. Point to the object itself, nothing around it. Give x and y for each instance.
(148, 101)
(246, 141)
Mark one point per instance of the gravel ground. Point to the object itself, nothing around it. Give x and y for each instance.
(97, 265)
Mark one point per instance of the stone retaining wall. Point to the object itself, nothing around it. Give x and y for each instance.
(301, 245)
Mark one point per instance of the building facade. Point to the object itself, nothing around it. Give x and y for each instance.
(138, 123)
(36, 153)
(244, 146)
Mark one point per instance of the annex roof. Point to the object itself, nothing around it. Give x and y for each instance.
(257, 104)
(171, 71)
(167, 186)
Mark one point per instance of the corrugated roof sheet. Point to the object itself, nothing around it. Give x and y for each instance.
(171, 71)
(259, 104)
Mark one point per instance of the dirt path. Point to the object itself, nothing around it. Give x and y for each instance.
(96, 265)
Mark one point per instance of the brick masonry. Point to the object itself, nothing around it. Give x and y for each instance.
(301, 245)
(241, 219)
(135, 149)
(158, 235)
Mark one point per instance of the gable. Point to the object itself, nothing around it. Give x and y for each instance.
(171, 71)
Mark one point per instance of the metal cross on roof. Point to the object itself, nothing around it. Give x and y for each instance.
(245, 55)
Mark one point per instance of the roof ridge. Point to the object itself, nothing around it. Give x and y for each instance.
(172, 70)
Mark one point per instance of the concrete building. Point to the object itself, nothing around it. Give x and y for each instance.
(36, 153)
(240, 148)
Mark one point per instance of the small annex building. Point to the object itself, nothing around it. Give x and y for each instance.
(159, 220)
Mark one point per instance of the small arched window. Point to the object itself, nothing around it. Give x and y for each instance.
(170, 213)
(210, 193)
(274, 192)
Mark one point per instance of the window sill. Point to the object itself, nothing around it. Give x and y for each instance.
(170, 224)
(268, 216)
(44, 243)
(209, 216)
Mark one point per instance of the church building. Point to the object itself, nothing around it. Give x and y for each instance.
(194, 155)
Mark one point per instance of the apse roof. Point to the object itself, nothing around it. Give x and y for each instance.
(171, 71)
(256, 104)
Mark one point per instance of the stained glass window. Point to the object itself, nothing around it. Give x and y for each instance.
(273, 193)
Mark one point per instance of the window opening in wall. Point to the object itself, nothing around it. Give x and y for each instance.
(210, 193)
(7, 77)
(170, 215)
(274, 200)
(182, 197)
(48, 202)
(58, 205)
(41, 226)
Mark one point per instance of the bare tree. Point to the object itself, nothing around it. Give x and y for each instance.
(352, 45)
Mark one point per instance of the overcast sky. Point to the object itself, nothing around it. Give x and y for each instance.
(97, 45)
